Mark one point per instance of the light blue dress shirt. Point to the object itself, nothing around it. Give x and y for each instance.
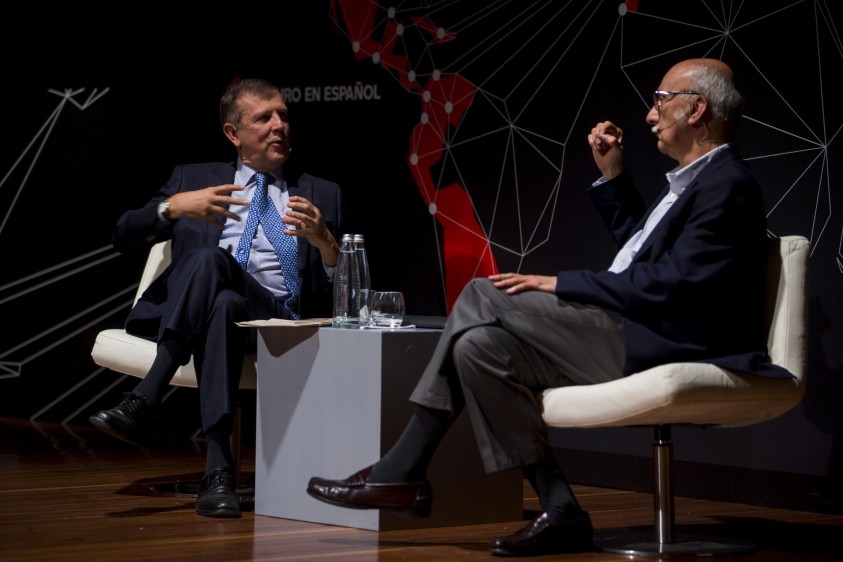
(678, 179)
(263, 263)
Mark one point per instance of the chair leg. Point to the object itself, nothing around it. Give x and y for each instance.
(190, 488)
(246, 489)
(663, 484)
(236, 428)
(666, 543)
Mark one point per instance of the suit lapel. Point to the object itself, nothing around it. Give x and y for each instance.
(699, 182)
(218, 175)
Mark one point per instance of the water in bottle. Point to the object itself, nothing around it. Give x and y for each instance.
(346, 286)
(362, 297)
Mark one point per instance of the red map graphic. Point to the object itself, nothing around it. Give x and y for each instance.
(445, 98)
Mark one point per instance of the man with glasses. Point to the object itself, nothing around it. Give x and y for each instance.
(691, 260)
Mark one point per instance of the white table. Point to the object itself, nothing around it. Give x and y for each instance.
(331, 401)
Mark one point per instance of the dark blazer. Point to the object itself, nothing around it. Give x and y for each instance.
(138, 229)
(695, 291)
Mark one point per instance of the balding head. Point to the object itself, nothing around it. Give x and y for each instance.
(690, 66)
(714, 79)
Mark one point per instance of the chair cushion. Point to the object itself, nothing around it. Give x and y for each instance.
(131, 355)
(677, 393)
(701, 393)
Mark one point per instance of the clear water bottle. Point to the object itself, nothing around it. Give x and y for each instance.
(362, 297)
(346, 285)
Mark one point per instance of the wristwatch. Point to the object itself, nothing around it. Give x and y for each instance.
(164, 209)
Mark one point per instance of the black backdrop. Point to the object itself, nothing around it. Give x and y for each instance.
(101, 105)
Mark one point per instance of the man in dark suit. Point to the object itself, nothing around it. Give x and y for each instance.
(226, 269)
(691, 260)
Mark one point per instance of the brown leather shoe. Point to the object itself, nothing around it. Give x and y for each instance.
(409, 499)
(540, 537)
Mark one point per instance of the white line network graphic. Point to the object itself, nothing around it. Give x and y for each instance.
(488, 75)
(506, 92)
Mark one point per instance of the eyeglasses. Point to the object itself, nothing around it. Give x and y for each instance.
(660, 96)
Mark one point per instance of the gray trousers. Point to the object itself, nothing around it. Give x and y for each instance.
(498, 352)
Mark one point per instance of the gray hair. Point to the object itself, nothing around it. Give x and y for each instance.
(725, 101)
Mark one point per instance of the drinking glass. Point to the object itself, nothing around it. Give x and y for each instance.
(387, 309)
(366, 306)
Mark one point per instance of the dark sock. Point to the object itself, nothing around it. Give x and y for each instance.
(167, 361)
(218, 441)
(408, 459)
(555, 495)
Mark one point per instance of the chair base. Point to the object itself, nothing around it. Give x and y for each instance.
(190, 489)
(643, 544)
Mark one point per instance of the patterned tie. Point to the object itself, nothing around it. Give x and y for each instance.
(262, 210)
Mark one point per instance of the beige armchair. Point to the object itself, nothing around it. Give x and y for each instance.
(701, 395)
(123, 353)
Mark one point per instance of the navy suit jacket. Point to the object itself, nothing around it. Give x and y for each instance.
(695, 291)
(138, 229)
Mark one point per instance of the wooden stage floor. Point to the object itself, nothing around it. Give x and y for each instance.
(72, 493)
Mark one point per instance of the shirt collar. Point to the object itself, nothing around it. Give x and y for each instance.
(244, 174)
(680, 178)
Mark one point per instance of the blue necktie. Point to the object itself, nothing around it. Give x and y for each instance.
(263, 210)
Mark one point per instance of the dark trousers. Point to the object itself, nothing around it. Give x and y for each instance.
(498, 352)
(207, 293)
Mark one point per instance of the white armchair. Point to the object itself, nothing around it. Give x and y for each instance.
(699, 394)
(131, 355)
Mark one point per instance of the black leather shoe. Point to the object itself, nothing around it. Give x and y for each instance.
(409, 499)
(540, 537)
(218, 494)
(131, 420)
